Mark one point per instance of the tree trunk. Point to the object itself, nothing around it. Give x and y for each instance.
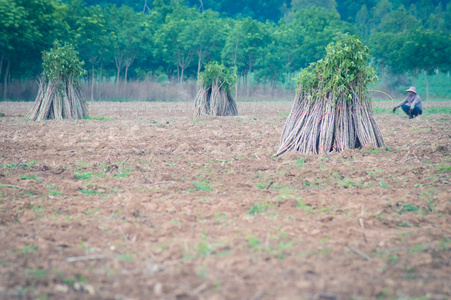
(92, 84)
(415, 76)
(1, 65)
(199, 64)
(119, 64)
(181, 76)
(100, 81)
(248, 83)
(5, 81)
(128, 62)
(100, 75)
(117, 76)
(427, 85)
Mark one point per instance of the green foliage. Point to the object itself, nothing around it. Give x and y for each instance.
(173, 40)
(29, 248)
(203, 185)
(442, 168)
(342, 72)
(99, 118)
(407, 207)
(258, 208)
(301, 205)
(90, 192)
(62, 63)
(83, 175)
(31, 177)
(226, 77)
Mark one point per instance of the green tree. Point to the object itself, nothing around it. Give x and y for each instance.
(91, 38)
(397, 21)
(205, 37)
(427, 51)
(317, 27)
(30, 26)
(128, 32)
(270, 66)
(362, 20)
(243, 45)
(385, 48)
(379, 13)
(13, 32)
(168, 44)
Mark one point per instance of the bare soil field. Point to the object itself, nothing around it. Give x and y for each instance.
(144, 202)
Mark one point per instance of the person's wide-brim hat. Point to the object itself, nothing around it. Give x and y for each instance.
(411, 89)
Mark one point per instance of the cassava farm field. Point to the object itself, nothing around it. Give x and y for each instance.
(144, 202)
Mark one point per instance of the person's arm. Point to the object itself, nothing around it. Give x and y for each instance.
(401, 103)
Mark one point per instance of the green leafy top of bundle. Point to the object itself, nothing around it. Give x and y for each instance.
(343, 72)
(226, 77)
(62, 63)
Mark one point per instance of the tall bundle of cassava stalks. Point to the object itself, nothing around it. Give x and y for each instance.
(59, 95)
(331, 111)
(215, 93)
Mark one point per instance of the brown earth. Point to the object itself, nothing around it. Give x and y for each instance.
(147, 203)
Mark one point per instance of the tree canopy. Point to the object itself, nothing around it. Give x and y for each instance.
(125, 39)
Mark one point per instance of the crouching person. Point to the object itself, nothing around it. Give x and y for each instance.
(411, 105)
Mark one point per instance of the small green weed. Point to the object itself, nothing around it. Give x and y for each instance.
(301, 205)
(407, 207)
(124, 173)
(92, 211)
(29, 248)
(69, 280)
(82, 175)
(53, 191)
(90, 192)
(31, 177)
(35, 273)
(383, 185)
(202, 272)
(348, 183)
(83, 163)
(445, 243)
(374, 151)
(203, 185)
(393, 259)
(19, 165)
(205, 248)
(300, 162)
(253, 242)
(405, 224)
(125, 257)
(443, 168)
(337, 175)
(258, 208)
(99, 118)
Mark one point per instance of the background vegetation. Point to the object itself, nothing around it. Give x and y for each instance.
(148, 46)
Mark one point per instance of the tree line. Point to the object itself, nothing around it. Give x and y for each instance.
(171, 40)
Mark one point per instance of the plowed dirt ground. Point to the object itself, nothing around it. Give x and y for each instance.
(144, 202)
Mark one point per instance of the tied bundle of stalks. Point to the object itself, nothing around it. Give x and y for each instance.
(215, 93)
(330, 111)
(59, 96)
